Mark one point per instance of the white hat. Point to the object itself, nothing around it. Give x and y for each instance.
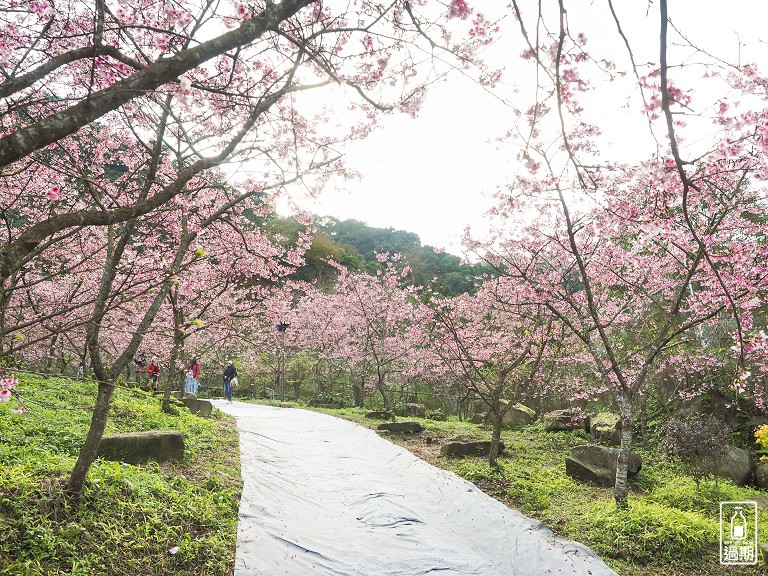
(229, 361)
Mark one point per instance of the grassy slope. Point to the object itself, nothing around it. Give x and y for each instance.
(131, 516)
(670, 529)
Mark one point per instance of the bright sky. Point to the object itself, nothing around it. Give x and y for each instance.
(433, 175)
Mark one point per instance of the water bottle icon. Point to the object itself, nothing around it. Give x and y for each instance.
(738, 525)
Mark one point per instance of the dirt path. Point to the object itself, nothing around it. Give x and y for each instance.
(324, 496)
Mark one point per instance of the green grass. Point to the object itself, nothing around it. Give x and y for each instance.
(670, 528)
(131, 516)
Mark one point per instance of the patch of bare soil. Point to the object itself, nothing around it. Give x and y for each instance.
(425, 447)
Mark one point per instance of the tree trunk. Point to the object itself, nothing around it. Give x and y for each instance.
(386, 398)
(622, 488)
(170, 378)
(644, 419)
(90, 446)
(357, 393)
(495, 437)
(48, 365)
(179, 336)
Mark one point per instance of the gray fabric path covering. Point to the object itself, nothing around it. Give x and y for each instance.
(325, 496)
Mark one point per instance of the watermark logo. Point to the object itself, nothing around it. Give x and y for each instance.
(738, 533)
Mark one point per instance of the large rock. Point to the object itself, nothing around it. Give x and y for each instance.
(735, 464)
(407, 427)
(598, 464)
(317, 403)
(559, 420)
(761, 475)
(200, 407)
(519, 414)
(138, 447)
(414, 410)
(468, 448)
(516, 415)
(477, 418)
(606, 427)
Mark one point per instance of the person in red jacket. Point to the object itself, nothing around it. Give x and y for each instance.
(153, 371)
(191, 383)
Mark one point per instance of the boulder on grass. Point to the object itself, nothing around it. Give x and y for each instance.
(561, 420)
(606, 427)
(477, 418)
(598, 464)
(761, 475)
(414, 410)
(138, 447)
(468, 448)
(516, 415)
(407, 427)
(317, 403)
(200, 407)
(735, 464)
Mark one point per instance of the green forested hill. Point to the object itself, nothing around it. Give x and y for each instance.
(355, 245)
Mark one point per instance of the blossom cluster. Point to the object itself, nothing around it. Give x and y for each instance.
(6, 385)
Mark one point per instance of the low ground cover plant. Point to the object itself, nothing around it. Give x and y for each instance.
(178, 518)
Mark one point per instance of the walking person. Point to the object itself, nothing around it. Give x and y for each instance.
(141, 362)
(153, 371)
(230, 373)
(191, 383)
(81, 370)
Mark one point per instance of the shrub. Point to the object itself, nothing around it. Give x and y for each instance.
(761, 437)
(683, 493)
(699, 440)
(438, 415)
(649, 531)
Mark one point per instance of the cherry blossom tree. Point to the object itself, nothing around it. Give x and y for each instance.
(211, 249)
(635, 257)
(374, 326)
(493, 347)
(113, 115)
(224, 82)
(319, 330)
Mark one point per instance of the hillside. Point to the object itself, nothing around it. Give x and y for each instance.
(355, 245)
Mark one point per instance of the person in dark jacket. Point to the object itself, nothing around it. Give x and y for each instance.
(230, 372)
(141, 362)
